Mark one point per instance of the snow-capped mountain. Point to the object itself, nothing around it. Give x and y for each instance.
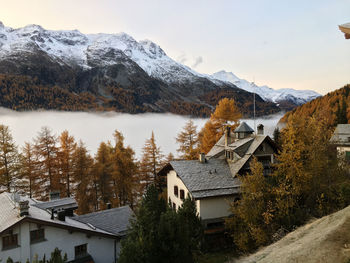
(298, 97)
(121, 73)
(75, 48)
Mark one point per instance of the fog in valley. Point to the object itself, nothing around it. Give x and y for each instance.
(93, 128)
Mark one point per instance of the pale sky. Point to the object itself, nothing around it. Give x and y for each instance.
(283, 45)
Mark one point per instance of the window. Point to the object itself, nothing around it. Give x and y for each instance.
(176, 191)
(9, 241)
(174, 206)
(37, 235)
(81, 251)
(182, 194)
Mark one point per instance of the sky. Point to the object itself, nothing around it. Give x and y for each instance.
(282, 44)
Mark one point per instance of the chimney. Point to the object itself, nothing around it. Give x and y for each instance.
(227, 135)
(202, 158)
(260, 129)
(61, 215)
(109, 205)
(24, 208)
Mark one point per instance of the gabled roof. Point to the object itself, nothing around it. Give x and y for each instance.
(115, 220)
(9, 216)
(341, 135)
(212, 178)
(244, 127)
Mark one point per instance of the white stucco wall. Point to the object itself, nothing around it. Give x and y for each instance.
(100, 248)
(215, 207)
(173, 180)
(207, 208)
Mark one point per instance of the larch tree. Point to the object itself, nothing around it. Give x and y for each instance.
(251, 226)
(28, 171)
(103, 175)
(188, 141)
(226, 114)
(46, 151)
(124, 173)
(9, 160)
(152, 161)
(66, 150)
(82, 179)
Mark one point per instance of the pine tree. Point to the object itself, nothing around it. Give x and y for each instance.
(82, 179)
(66, 150)
(152, 161)
(9, 159)
(188, 142)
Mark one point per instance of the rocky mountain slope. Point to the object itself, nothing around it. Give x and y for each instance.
(295, 97)
(324, 240)
(109, 72)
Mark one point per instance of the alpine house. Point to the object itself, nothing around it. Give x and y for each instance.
(213, 180)
(30, 229)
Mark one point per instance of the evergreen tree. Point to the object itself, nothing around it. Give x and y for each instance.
(160, 234)
(188, 142)
(9, 160)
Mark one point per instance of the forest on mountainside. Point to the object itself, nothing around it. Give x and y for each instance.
(25, 92)
(333, 106)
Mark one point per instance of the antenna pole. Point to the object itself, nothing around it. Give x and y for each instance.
(254, 107)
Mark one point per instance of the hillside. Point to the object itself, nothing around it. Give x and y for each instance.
(324, 240)
(109, 72)
(333, 106)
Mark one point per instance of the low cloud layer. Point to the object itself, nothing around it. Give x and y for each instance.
(93, 128)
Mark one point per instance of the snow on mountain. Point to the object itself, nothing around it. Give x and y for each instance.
(86, 51)
(296, 96)
(73, 47)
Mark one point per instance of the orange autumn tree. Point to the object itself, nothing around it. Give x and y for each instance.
(226, 114)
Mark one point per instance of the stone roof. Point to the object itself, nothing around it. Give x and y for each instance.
(115, 220)
(244, 127)
(212, 178)
(9, 216)
(341, 135)
(61, 203)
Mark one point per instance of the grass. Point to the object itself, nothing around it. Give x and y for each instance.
(216, 257)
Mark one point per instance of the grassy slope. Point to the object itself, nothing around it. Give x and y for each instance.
(324, 240)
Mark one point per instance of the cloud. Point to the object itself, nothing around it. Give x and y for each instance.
(198, 60)
(182, 58)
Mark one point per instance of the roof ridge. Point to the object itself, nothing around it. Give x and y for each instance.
(104, 211)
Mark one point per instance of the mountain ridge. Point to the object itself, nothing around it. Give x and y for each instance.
(117, 70)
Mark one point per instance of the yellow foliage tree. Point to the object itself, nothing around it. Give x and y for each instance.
(226, 113)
